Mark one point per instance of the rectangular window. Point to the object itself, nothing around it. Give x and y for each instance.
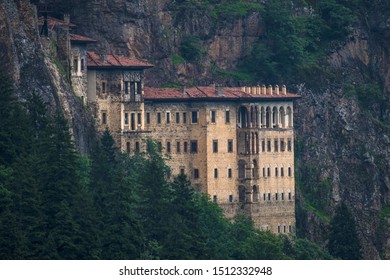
(215, 172)
(139, 119)
(269, 172)
(289, 172)
(276, 196)
(276, 172)
(262, 145)
(282, 195)
(177, 147)
(289, 229)
(278, 229)
(215, 146)
(230, 198)
(289, 196)
(194, 117)
(126, 118)
(282, 147)
(158, 117)
(269, 196)
(168, 117)
(126, 87)
(264, 196)
(168, 147)
(128, 147)
(229, 173)
(147, 118)
(196, 173)
(230, 146)
(289, 145)
(268, 145)
(138, 88)
(104, 118)
(263, 172)
(177, 117)
(159, 145)
(184, 117)
(75, 65)
(132, 121)
(194, 146)
(282, 172)
(132, 90)
(227, 116)
(284, 229)
(276, 145)
(82, 64)
(212, 116)
(185, 147)
(137, 147)
(103, 87)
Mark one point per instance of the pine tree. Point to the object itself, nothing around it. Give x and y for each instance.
(120, 233)
(60, 189)
(184, 239)
(343, 239)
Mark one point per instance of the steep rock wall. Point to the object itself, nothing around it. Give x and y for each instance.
(23, 59)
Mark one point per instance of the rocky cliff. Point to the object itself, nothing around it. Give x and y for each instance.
(24, 60)
(342, 120)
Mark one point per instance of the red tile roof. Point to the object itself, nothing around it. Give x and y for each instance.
(209, 93)
(53, 22)
(81, 39)
(114, 61)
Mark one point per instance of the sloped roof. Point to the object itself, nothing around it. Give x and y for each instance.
(210, 93)
(81, 39)
(53, 22)
(114, 61)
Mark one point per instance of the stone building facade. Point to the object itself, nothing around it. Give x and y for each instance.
(235, 144)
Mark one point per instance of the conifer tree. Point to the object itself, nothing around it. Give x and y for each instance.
(343, 239)
(120, 233)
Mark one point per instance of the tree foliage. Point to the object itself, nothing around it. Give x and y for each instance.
(343, 239)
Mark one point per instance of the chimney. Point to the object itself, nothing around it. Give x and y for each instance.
(264, 90)
(277, 89)
(67, 19)
(183, 89)
(253, 90)
(219, 89)
(284, 91)
(103, 58)
(270, 90)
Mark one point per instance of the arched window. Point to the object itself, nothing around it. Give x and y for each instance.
(255, 169)
(242, 117)
(241, 194)
(275, 117)
(241, 169)
(262, 117)
(282, 117)
(255, 194)
(268, 117)
(289, 117)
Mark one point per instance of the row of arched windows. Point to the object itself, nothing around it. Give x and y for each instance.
(252, 171)
(265, 117)
(253, 195)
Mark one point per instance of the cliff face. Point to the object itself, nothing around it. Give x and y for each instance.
(23, 59)
(342, 123)
(154, 30)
